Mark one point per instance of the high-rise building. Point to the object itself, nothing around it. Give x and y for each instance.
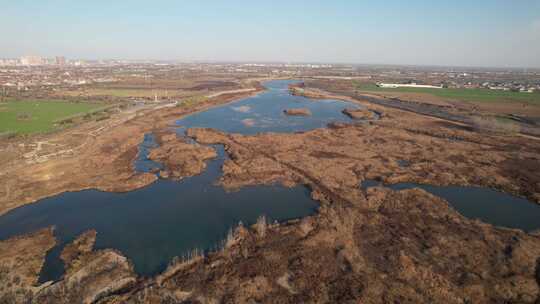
(8, 62)
(31, 60)
(60, 60)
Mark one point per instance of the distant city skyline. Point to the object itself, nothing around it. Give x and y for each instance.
(479, 34)
(54, 60)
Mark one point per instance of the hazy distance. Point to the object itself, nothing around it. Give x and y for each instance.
(457, 33)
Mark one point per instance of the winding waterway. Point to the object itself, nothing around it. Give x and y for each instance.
(170, 218)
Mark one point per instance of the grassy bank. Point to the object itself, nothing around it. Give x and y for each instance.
(33, 116)
(473, 95)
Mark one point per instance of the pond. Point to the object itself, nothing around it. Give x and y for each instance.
(264, 113)
(170, 218)
(490, 206)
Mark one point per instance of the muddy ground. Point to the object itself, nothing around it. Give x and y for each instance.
(364, 246)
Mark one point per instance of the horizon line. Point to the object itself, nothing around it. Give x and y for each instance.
(210, 61)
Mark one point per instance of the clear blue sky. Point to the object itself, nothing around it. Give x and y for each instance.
(473, 33)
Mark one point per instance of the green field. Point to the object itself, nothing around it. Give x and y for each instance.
(32, 116)
(474, 95)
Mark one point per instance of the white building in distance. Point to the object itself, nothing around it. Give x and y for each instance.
(409, 85)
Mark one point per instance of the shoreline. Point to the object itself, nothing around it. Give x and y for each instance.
(385, 237)
(320, 94)
(133, 180)
(382, 102)
(123, 176)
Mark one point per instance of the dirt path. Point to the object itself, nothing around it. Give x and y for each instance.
(230, 92)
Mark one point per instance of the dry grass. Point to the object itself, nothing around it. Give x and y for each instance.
(230, 240)
(261, 226)
(306, 226)
(179, 263)
(192, 100)
(493, 125)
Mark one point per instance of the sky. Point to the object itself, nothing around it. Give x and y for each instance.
(495, 33)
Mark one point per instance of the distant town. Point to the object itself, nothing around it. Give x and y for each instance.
(36, 72)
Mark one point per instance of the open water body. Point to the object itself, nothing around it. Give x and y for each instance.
(170, 218)
(154, 224)
(264, 113)
(488, 205)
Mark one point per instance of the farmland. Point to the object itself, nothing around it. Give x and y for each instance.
(33, 116)
(467, 95)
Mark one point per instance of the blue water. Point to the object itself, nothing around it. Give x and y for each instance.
(264, 113)
(170, 218)
(143, 163)
(490, 206)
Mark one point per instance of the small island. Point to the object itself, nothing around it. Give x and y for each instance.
(359, 113)
(297, 112)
